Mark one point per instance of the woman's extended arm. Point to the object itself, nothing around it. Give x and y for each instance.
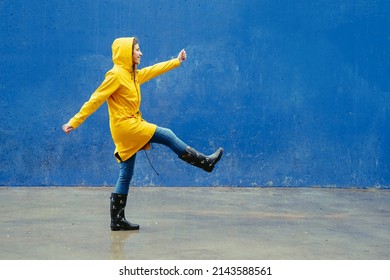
(150, 72)
(109, 85)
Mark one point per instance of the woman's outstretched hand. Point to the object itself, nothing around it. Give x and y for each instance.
(182, 55)
(67, 128)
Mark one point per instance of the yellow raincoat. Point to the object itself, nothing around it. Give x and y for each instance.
(121, 90)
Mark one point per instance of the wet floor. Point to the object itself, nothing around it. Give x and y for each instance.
(196, 223)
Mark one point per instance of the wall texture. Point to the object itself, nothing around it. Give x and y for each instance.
(297, 92)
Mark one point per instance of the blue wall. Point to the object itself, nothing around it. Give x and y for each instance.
(297, 92)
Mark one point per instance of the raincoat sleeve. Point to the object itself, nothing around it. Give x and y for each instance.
(109, 85)
(150, 72)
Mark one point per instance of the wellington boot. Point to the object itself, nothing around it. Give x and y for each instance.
(200, 160)
(117, 211)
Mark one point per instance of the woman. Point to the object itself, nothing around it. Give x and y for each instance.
(130, 132)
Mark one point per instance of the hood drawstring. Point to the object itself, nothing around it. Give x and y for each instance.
(151, 165)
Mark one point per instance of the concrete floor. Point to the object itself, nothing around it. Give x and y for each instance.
(196, 223)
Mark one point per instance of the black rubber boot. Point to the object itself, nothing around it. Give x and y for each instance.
(197, 159)
(117, 211)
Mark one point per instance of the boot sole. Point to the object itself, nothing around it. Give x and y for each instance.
(119, 229)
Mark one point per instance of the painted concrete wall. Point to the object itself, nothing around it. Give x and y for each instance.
(297, 92)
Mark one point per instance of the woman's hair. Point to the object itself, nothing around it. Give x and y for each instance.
(135, 42)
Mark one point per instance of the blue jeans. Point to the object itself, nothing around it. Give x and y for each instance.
(163, 136)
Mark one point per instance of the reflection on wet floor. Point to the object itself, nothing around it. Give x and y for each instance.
(118, 241)
(196, 223)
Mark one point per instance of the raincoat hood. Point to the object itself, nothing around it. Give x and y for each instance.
(122, 52)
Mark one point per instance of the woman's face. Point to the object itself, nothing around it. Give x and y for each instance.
(137, 55)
